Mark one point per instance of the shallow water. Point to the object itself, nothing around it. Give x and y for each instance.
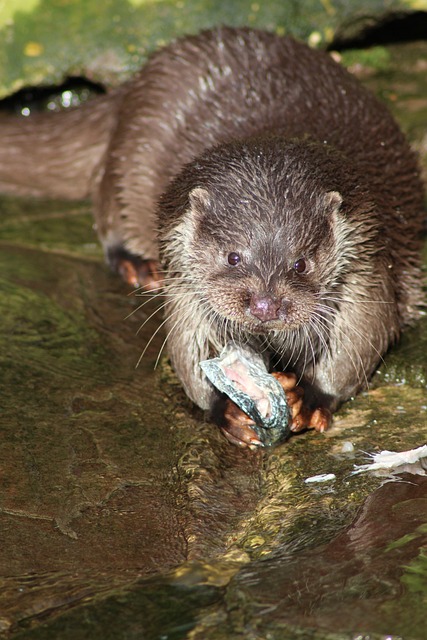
(124, 514)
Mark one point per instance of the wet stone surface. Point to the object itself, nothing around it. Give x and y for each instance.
(124, 514)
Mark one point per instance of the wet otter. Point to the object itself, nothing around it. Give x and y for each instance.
(287, 203)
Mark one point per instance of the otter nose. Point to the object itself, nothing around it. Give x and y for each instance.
(264, 307)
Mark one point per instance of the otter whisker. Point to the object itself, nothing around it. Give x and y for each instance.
(172, 329)
(351, 353)
(141, 306)
(154, 313)
(181, 319)
(161, 325)
(318, 323)
(354, 329)
(160, 295)
(356, 301)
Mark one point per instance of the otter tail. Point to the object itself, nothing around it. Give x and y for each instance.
(57, 155)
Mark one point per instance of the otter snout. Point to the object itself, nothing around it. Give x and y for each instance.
(265, 306)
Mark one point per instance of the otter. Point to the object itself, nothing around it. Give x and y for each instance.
(279, 197)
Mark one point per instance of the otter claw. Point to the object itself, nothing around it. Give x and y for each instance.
(253, 443)
(319, 419)
(238, 427)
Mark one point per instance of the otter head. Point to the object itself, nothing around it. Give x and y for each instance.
(260, 237)
(263, 265)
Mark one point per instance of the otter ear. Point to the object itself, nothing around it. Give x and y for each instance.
(333, 201)
(200, 200)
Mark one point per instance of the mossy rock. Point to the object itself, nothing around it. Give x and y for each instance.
(45, 41)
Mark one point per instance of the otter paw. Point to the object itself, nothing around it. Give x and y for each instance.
(237, 427)
(302, 417)
(140, 273)
(319, 419)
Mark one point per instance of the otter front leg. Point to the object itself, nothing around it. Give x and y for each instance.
(188, 345)
(355, 349)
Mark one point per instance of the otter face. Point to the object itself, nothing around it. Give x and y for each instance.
(262, 263)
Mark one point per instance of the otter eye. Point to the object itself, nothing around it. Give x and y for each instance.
(233, 258)
(300, 265)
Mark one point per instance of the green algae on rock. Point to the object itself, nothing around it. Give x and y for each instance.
(44, 41)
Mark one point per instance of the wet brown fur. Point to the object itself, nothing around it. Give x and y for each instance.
(240, 141)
